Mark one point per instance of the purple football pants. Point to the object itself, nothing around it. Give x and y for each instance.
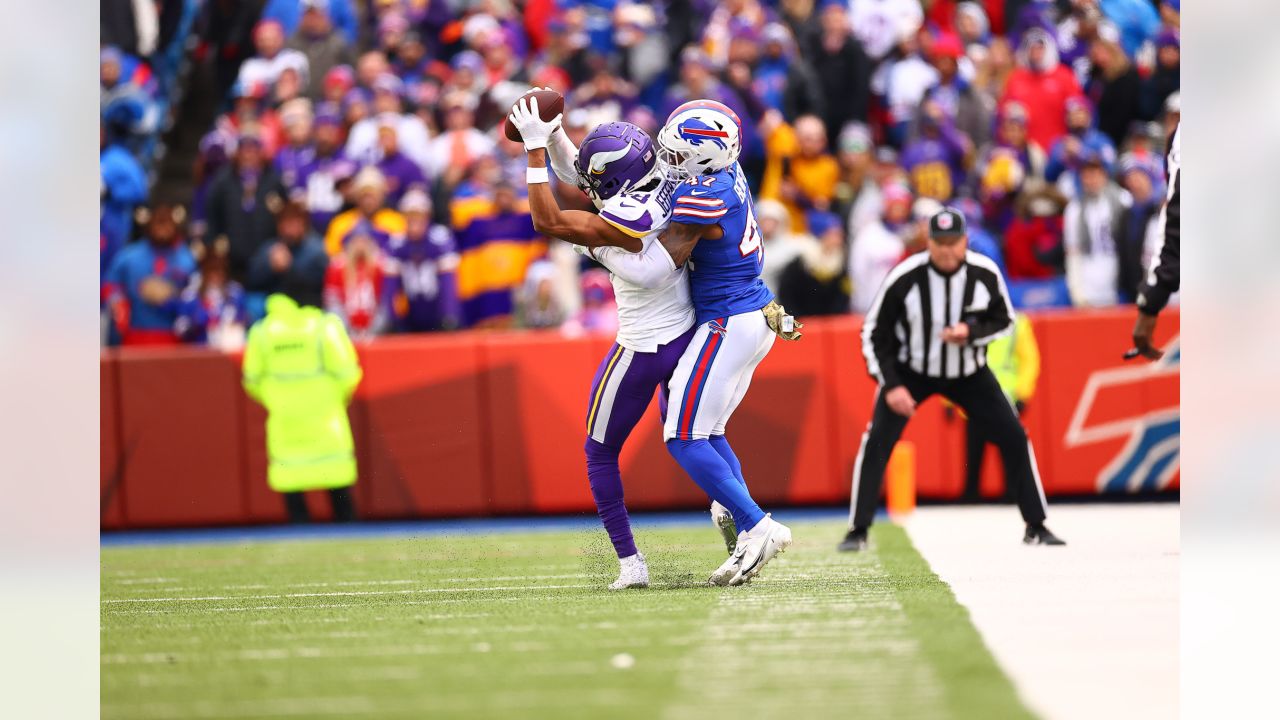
(620, 393)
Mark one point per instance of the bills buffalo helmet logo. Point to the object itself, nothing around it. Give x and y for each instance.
(697, 132)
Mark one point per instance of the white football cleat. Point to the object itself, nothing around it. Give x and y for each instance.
(758, 546)
(634, 574)
(723, 520)
(729, 568)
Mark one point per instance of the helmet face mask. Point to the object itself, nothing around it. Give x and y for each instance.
(700, 137)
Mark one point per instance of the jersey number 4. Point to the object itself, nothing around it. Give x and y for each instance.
(751, 238)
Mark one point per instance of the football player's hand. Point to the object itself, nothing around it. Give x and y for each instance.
(900, 401)
(533, 129)
(1143, 330)
(776, 316)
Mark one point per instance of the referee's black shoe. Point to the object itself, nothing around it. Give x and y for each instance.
(854, 541)
(1041, 535)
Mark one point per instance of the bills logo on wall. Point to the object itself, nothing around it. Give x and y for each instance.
(1148, 459)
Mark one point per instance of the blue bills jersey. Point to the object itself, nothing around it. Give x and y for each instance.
(724, 274)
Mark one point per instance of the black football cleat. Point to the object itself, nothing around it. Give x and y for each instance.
(1041, 535)
(854, 541)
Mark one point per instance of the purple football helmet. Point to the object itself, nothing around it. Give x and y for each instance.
(613, 158)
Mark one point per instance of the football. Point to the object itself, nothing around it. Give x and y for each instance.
(550, 104)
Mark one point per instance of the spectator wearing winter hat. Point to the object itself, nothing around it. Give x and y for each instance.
(299, 150)
(295, 258)
(292, 14)
(423, 265)
(337, 82)
(355, 284)
(1004, 165)
(414, 140)
(936, 160)
(318, 181)
(1042, 86)
(211, 309)
(369, 189)
(1033, 240)
(878, 247)
(972, 24)
(323, 46)
(215, 150)
(858, 197)
(1113, 86)
(1081, 139)
(272, 57)
(783, 79)
(607, 98)
(250, 109)
(457, 148)
(1091, 229)
(122, 187)
(1139, 232)
(400, 172)
(902, 81)
(817, 281)
(242, 203)
(1165, 80)
(970, 110)
(144, 279)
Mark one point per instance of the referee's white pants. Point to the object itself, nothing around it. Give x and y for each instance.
(714, 373)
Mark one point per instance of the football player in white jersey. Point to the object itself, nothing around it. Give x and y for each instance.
(618, 168)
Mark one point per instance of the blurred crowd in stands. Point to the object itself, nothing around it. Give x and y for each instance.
(357, 156)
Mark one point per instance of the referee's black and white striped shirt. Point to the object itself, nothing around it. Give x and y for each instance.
(904, 326)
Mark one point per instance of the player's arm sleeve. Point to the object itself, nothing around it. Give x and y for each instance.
(998, 318)
(1162, 278)
(563, 154)
(340, 359)
(879, 343)
(651, 268)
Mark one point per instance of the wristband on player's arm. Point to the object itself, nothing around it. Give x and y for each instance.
(536, 175)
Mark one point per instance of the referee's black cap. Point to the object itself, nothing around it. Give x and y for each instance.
(946, 224)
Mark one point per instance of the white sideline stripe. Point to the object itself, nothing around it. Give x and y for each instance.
(217, 598)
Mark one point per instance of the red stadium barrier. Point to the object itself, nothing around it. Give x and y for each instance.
(490, 423)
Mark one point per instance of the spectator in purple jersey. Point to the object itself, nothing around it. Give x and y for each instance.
(295, 259)
(423, 270)
(319, 180)
(298, 150)
(607, 97)
(401, 172)
(935, 161)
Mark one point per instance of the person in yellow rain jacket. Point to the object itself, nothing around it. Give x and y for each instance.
(300, 364)
(1015, 360)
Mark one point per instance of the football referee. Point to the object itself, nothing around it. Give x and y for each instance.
(926, 333)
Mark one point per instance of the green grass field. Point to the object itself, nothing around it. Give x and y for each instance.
(520, 625)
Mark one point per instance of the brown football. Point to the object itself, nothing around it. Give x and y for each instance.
(550, 104)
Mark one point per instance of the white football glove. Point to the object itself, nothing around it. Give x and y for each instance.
(534, 131)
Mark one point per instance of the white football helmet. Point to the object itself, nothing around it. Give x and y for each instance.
(700, 137)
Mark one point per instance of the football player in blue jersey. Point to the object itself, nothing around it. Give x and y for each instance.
(713, 228)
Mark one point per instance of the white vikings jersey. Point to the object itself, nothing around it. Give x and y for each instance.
(654, 305)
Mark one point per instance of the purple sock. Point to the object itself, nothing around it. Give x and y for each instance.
(606, 488)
